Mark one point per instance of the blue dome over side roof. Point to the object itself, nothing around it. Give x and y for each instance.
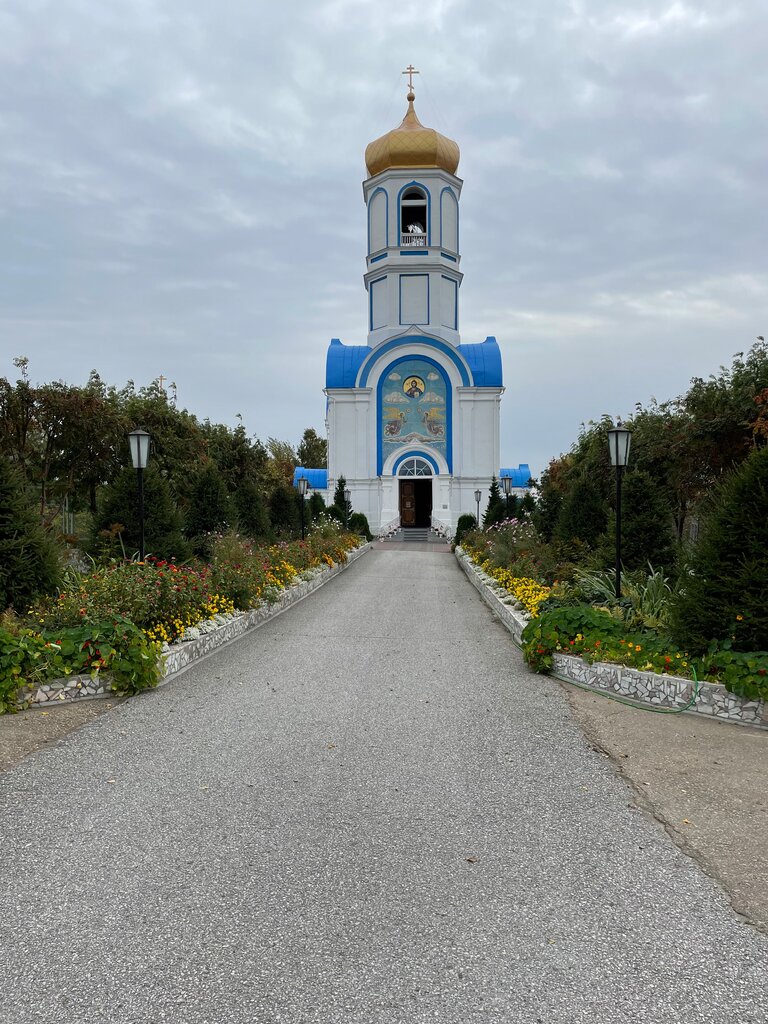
(484, 361)
(342, 363)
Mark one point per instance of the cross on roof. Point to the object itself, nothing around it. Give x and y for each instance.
(410, 71)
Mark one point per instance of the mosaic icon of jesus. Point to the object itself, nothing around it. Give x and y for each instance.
(413, 387)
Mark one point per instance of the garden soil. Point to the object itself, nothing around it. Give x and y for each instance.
(704, 781)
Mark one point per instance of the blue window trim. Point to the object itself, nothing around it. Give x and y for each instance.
(411, 339)
(443, 254)
(418, 455)
(425, 190)
(415, 252)
(455, 284)
(407, 323)
(383, 256)
(456, 201)
(448, 410)
(370, 301)
(386, 216)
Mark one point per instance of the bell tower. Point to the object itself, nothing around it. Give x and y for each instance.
(412, 266)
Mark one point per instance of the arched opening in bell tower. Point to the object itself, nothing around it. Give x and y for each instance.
(413, 217)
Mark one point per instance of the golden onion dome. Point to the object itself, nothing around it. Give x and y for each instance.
(411, 145)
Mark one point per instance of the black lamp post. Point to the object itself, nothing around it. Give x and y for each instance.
(619, 440)
(302, 483)
(347, 499)
(478, 496)
(139, 443)
(506, 482)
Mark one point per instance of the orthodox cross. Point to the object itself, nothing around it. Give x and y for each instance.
(410, 71)
(160, 380)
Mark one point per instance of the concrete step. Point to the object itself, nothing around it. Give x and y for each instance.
(415, 534)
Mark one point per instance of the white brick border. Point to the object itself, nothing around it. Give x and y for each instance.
(658, 691)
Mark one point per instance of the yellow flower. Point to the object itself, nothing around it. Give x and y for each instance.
(739, 618)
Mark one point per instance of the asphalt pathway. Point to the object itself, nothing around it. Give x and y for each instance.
(365, 811)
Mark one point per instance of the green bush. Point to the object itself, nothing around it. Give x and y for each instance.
(358, 523)
(582, 515)
(29, 561)
(115, 646)
(251, 511)
(724, 592)
(465, 524)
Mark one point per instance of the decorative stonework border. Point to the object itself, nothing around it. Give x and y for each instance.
(659, 691)
(182, 655)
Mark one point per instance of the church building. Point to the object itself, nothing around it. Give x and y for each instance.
(413, 414)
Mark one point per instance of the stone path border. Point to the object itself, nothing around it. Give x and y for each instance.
(642, 688)
(181, 656)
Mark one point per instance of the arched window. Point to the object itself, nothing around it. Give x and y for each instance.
(413, 217)
(415, 467)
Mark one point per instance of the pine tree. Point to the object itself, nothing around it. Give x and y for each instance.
(210, 508)
(646, 525)
(343, 507)
(284, 510)
(315, 506)
(496, 510)
(725, 590)
(582, 515)
(251, 510)
(29, 561)
(118, 506)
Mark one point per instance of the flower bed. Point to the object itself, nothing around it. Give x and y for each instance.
(631, 674)
(121, 619)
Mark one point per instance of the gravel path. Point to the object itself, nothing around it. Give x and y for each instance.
(365, 811)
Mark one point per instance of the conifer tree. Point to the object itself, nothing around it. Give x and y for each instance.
(251, 510)
(646, 525)
(210, 509)
(496, 510)
(343, 507)
(582, 515)
(724, 593)
(118, 506)
(29, 562)
(284, 510)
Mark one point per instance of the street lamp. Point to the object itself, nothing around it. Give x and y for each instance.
(302, 483)
(506, 483)
(619, 440)
(478, 496)
(347, 499)
(139, 443)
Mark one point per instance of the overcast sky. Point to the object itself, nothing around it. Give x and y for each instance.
(180, 193)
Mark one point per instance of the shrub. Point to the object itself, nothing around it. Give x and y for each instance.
(465, 524)
(358, 523)
(284, 510)
(29, 561)
(114, 646)
(724, 593)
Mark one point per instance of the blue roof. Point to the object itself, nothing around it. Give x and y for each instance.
(318, 478)
(520, 476)
(484, 361)
(342, 364)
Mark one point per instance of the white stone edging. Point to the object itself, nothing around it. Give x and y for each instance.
(658, 691)
(181, 655)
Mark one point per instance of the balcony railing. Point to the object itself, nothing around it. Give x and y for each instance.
(413, 239)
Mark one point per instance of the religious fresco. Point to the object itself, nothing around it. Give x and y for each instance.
(413, 407)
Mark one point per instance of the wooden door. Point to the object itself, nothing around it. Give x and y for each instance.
(407, 503)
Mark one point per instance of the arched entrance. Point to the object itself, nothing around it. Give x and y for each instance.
(415, 481)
